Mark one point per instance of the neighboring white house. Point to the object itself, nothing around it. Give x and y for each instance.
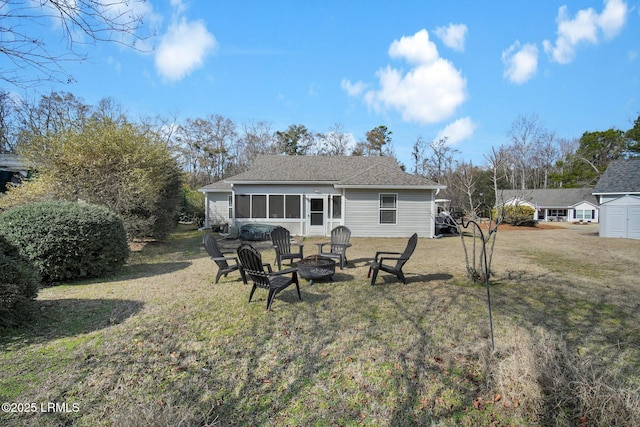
(310, 195)
(618, 192)
(557, 204)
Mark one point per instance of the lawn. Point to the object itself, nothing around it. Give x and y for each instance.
(161, 344)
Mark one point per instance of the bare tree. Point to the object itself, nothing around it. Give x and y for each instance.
(465, 181)
(8, 125)
(256, 138)
(525, 134)
(418, 155)
(25, 23)
(335, 142)
(547, 153)
(497, 162)
(440, 163)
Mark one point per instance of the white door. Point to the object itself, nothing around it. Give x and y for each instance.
(316, 216)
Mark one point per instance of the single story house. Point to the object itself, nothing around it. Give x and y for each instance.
(310, 195)
(618, 192)
(557, 204)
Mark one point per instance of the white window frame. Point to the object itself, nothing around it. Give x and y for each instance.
(382, 209)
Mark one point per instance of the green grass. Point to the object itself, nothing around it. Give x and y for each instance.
(161, 344)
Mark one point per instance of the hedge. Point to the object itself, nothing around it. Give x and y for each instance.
(67, 240)
(19, 280)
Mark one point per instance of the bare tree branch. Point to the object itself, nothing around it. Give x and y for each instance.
(25, 24)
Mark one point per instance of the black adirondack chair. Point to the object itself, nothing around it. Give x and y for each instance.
(262, 275)
(281, 240)
(382, 258)
(337, 247)
(226, 264)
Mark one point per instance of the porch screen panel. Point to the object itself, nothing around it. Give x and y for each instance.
(292, 206)
(276, 206)
(259, 206)
(243, 206)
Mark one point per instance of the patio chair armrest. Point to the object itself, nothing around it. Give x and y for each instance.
(384, 253)
(320, 245)
(388, 258)
(269, 269)
(228, 252)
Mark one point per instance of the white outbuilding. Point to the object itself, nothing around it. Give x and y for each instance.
(618, 192)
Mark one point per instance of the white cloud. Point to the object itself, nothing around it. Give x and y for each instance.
(458, 131)
(585, 28)
(520, 61)
(183, 49)
(429, 92)
(416, 49)
(613, 18)
(353, 89)
(453, 36)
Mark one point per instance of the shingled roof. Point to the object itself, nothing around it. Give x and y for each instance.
(621, 177)
(341, 171)
(551, 198)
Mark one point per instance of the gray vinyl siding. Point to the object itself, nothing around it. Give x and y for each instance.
(414, 213)
(217, 208)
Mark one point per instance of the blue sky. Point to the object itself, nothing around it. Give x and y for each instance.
(462, 69)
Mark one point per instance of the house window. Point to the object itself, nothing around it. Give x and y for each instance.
(276, 206)
(336, 207)
(388, 208)
(230, 202)
(292, 206)
(583, 214)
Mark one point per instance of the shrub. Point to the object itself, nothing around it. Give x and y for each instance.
(192, 207)
(19, 281)
(67, 240)
(517, 215)
(113, 163)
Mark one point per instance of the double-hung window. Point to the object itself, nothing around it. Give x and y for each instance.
(388, 208)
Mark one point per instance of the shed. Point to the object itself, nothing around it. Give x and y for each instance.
(621, 218)
(618, 192)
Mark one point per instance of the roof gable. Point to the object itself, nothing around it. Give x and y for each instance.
(621, 176)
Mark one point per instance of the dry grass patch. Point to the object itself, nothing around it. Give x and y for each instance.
(160, 344)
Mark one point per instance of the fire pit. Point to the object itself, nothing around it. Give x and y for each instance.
(316, 267)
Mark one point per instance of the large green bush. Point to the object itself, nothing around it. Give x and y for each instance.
(516, 215)
(113, 163)
(67, 240)
(19, 281)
